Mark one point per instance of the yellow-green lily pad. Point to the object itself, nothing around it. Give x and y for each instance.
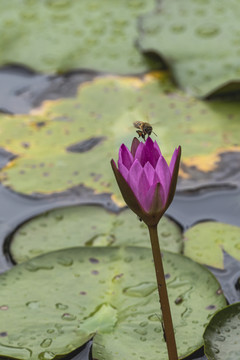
(206, 241)
(65, 297)
(61, 35)
(71, 141)
(199, 40)
(88, 226)
(221, 337)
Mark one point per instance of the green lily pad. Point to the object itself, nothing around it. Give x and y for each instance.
(71, 141)
(221, 337)
(206, 241)
(187, 35)
(88, 226)
(65, 297)
(98, 35)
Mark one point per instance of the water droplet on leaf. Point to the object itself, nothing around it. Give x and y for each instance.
(178, 28)
(208, 30)
(46, 343)
(64, 261)
(154, 317)
(142, 289)
(69, 317)
(61, 306)
(33, 304)
(46, 355)
(143, 323)
(141, 331)
(220, 338)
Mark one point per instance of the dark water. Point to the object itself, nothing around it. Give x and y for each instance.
(22, 89)
(220, 205)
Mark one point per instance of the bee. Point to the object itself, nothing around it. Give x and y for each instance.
(144, 129)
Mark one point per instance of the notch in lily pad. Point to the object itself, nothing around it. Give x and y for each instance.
(205, 241)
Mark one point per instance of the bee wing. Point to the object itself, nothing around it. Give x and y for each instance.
(136, 124)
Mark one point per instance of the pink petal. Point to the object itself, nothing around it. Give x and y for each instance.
(143, 186)
(157, 206)
(155, 157)
(134, 146)
(149, 172)
(134, 175)
(138, 154)
(150, 195)
(127, 193)
(125, 157)
(156, 152)
(156, 178)
(164, 175)
(123, 170)
(149, 143)
(157, 149)
(173, 160)
(148, 153)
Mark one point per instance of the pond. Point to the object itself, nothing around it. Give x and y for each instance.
(76, 264)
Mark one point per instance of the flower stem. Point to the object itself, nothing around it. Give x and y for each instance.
(163, 295)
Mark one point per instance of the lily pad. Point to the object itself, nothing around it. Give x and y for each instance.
(221, 337)
(206, 241)
(71, 141)
(98, 35)
(65, 297)
(187, 34)
(88, 226)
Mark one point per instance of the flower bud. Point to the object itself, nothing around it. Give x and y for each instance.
(145, 180)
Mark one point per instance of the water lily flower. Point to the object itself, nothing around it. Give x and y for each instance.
(145, 180)
(148, 186)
